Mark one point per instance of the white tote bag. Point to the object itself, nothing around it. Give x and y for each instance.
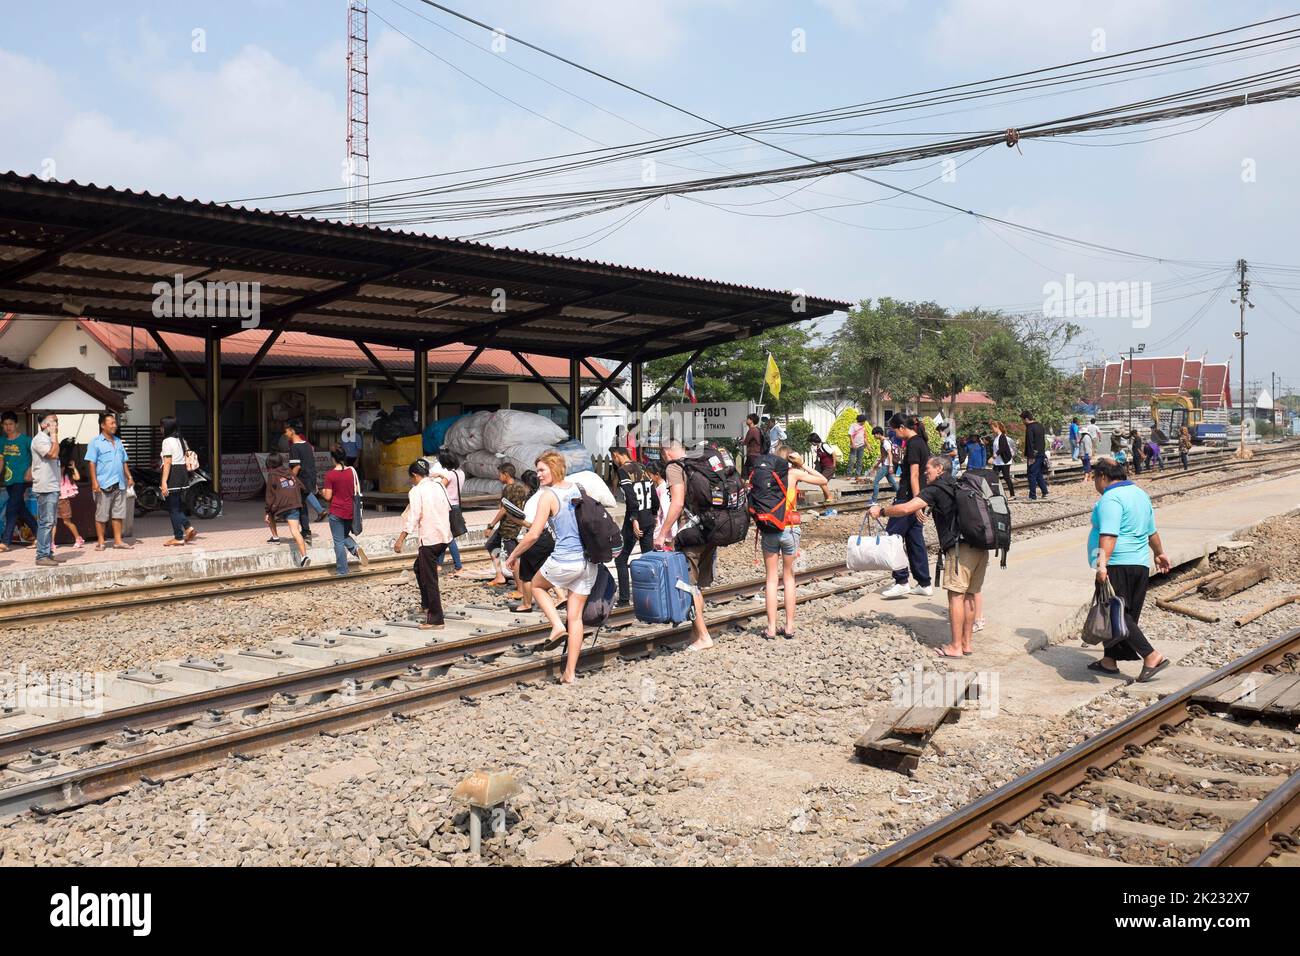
(876, 552)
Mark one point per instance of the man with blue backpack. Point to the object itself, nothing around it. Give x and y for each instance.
(970, 521)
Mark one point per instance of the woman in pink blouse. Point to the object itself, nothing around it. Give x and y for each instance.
(428, 520)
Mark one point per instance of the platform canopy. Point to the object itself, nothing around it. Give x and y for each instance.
(68, 249)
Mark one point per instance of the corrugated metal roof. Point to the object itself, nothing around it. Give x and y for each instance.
(89, 250)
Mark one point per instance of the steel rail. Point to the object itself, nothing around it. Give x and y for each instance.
(83, 731)
(1249, 842)
(943, 841)
(84, 785)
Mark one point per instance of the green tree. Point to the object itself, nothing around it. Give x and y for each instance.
(876, 352)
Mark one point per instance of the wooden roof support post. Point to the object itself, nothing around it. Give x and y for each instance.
(212, 393)
(422, 392)
(575, 399)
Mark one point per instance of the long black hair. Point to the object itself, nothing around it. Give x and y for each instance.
(529, 478)
(168, 425)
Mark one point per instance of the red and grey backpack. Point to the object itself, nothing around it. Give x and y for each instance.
(768, 481)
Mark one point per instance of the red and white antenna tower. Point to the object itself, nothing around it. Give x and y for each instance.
(357, 169)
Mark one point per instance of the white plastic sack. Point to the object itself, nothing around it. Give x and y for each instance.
(594, 485)
(576, 456)
(474, 487)
(466, 435)
(508, 427)
(524, 456)
(482, 464)
(876, 551)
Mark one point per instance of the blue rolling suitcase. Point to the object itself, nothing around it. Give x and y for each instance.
(656, 596)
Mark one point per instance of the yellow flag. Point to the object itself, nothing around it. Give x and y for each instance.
(773, 377)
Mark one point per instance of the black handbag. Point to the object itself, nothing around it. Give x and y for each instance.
(455, 518)
(357, 503)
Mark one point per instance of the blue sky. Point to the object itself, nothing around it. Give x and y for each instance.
(115, 94)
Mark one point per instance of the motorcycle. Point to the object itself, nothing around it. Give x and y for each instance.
(198, 499)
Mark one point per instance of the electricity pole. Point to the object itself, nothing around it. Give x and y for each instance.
(1141, 347)
(1242, 300)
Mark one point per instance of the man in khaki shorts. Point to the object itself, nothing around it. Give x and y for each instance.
(963, 564)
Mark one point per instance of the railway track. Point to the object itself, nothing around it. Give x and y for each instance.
(83, 603)
(1140, 784)
(419, 669)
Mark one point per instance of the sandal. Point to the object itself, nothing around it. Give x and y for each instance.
(1097, 666)
(940, 652)
(1150, 672)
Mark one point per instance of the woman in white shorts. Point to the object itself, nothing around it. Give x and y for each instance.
(567, 567)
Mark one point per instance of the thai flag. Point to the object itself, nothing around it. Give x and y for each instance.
(689, 388)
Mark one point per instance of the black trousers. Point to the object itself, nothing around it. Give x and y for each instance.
(1129, 582)
(1009, 486)
(647, 540)
(426, 575)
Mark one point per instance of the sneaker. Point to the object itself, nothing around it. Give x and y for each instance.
(81, 543)
(925, 591)
(304, 561)
(896, 591)
(978, 625)
(362, 556)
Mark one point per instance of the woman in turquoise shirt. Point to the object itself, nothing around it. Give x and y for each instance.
(1123, 529)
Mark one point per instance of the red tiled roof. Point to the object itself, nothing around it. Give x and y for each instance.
(1163, 375)
(301, 350)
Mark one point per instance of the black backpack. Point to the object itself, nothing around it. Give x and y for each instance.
(715, 498)
(983, 518)
(764, 442)
(768, 480)
(601, 600)
(601, 537)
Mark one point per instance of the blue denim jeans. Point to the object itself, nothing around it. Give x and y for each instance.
(16, 512)
(1037, 476)
(304, 520)
(918, 559)
(47, 510)
(343, 544)
(455, 555)
(884, 471)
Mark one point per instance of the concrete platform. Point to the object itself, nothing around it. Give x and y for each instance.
(233, 543)
(1035, 606)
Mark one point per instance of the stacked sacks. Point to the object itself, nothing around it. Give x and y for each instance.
(524, 456)
(466, 435)
(474, 487)
(509, 427)
(481, 464)
(576, 456)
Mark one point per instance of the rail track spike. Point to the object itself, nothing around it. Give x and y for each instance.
(946, 861)
(1132, 750)
(1095, 773)
(1052, 799)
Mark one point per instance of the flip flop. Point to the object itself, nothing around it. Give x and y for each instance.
(1150, 672)
(940, 652)
(967, 653)
(1096, 666)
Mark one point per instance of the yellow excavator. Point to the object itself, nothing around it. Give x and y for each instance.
(1182, 412)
